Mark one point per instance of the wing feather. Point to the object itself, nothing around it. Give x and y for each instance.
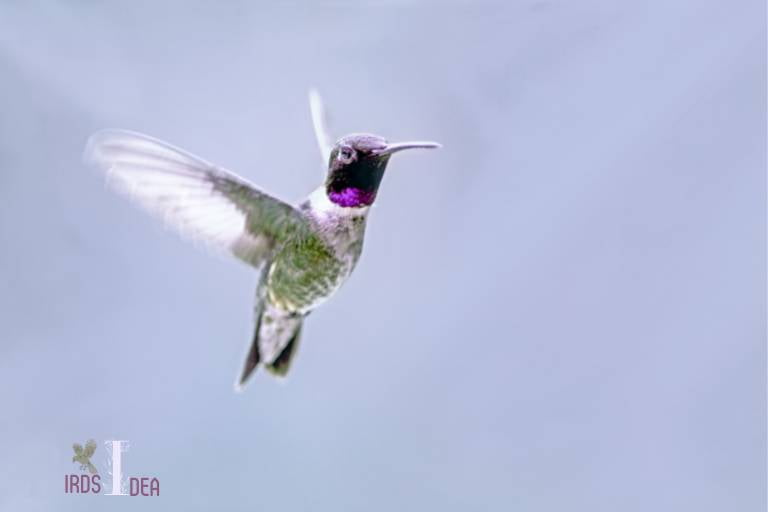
(320, 124)
(201, 201)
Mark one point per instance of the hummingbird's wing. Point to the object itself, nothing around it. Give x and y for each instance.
(320, 124)
(200, 200)
(78, 448)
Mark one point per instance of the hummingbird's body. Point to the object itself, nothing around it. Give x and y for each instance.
(304, 253)
(308, 269)
(304, 273)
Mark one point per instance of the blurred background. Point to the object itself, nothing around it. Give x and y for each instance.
(564, 308)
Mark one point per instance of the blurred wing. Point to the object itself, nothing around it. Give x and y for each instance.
(90, 447)
(200, 200)
(78, 448)
(320, 123)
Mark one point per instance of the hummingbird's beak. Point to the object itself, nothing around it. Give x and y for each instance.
(399, 146)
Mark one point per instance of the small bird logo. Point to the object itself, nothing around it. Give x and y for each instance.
(83, 456)
(303, 252)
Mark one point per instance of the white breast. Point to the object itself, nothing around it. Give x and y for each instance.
(342, 228)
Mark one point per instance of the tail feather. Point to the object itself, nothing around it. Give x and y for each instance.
(282, 362)
(253, 358)
(275, 340)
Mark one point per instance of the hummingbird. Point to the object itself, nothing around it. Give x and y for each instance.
(303, 253)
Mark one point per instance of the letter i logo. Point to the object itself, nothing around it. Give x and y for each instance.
(116, 448)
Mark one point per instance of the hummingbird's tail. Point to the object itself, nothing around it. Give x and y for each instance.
(282, 363)
(275, 340)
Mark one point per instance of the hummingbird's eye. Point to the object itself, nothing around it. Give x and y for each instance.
(346, 154)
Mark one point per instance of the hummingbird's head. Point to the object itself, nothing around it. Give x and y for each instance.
(357, 165)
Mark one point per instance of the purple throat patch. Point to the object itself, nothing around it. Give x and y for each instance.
(352, 197)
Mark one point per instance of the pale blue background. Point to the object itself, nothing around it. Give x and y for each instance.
(563, 309)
